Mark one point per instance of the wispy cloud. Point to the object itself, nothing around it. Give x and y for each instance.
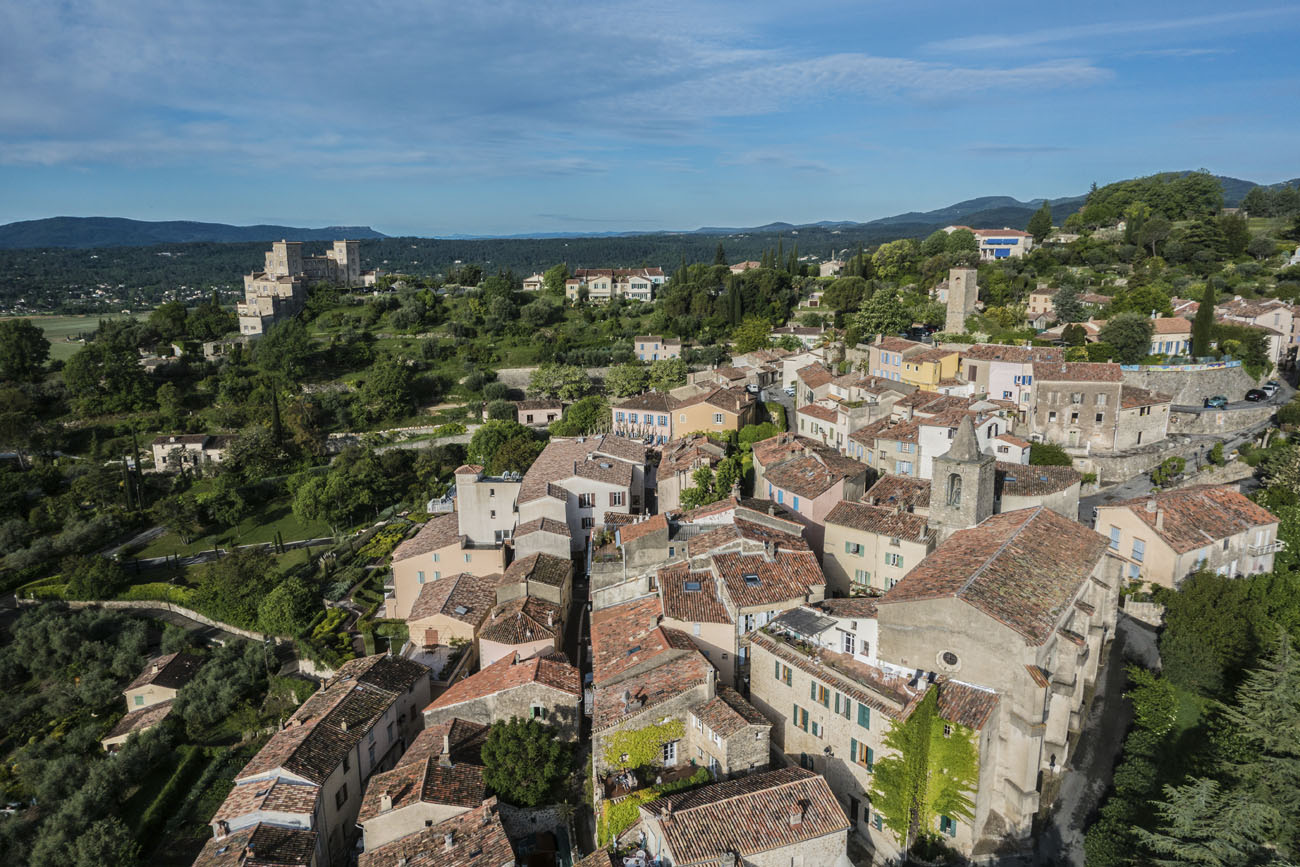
(999, 42)
(990, 150)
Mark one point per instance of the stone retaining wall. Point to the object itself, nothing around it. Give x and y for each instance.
(1222, 422)
(1190, 385)
(149, 605)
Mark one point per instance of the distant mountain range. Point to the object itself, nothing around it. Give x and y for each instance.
(121, 232)
(983, 212)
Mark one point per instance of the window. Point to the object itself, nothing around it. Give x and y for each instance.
(1140, 549)
(616, 498)
(954, 489)
(1051, 416)
(864, 716)
(796, 502)
(538, 712)
(747, 623)
(139, 700)
(492, 513)
(1097, 418)
(436, 556)
(821, 694)
(800, 718)
(849, 642)
(419, 577)
(816, 729)
(717, 418)
(878, 822)
(632, 417)
(861, 576)
(663, 420)
(861, 754)
(586, 501)
(1074, 418)
(947, 826)
(670, 753)
(682, 418)
(370, 751)
(588, 523)
(341, 796)
(903, 468)
(853, 548)
(1076, 397)
(892, 559)
(1114, 538)
(699, 726)
(947, 730)
(1101, 400)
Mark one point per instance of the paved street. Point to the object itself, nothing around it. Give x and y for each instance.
(1093, 764)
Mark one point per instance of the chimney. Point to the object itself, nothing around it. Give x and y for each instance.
(385, 802)
(550, 618)
(249, 854)
(155, 668)
(449, 840)
(1151, 505)
(796, 817)
(222, 828)
(343, 725)
(446, 741)
(1160, 519)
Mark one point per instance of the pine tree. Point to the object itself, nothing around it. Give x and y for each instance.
(1203, 324)
(1040, 224)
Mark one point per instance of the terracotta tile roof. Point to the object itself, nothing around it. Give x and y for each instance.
(1095, 298)
(1017, 354)
(928, 402)
(521, 620)
(330, 722)
(933, 354)
(538, 403)
(749, 815)
(788, 575)
(279, 795)
(468, 469)
(627, 635)
(807, 476)
(561, 457)
(632, 532)
(1077, 371)
(692, 606)
(427, 781)
(478, 840)
(506, 674)
(723, 535)
(1131, 396)
(851, 606)
(1245, 307)
(615, 520)
(270, 847)
(907, 491)
(170, 672)
(650, 401)
(814, 410)
(465, 738)
(689, 453)
(897, 344)
(881, 520)
(542, 568)
(139, 720)
(887, 428)
(1171, 325)
(1006, 438)
(543, 525)
(1019, 480)
(733, 400)
(648, 689)
(1194, 517)
(815, 375)
(728, 712)
(180, 439)
(1021, 568)
(966, 705)
(475, 594)
(440, 531)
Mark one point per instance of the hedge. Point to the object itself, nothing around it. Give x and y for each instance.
(164, 804)
(159, 591)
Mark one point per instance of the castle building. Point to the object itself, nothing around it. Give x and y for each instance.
(279, 290)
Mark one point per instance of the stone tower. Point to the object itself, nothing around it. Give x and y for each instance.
(962, 295)
(961, 485)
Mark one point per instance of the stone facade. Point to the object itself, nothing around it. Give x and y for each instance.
(963, 292)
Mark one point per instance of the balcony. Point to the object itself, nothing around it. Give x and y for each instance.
(1261, 550)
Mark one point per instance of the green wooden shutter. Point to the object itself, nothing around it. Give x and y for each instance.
(777, 663)
(812, 690)
(871, 759)
(864, 716)
(853, 749)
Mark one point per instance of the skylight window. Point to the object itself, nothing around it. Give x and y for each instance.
(752, 580)
(692, 587)
(461, 609)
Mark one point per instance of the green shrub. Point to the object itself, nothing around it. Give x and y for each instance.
(451, 429)
(159, 591)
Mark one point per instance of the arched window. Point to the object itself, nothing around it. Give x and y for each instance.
(954, 489)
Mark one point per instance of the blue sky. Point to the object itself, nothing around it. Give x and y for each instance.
(428, 117)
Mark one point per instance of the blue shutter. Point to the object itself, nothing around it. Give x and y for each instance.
(871, 759)
(853, 749)
(864, 716)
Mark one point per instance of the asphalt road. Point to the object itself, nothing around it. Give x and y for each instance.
(1283, 395)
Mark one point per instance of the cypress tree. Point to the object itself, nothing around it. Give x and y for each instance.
(720, 255)
(1203, 324)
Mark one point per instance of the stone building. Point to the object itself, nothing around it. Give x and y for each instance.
(149, 697)
(306, 783)
(436, 551)
(545, 688)
(176, 452)
(279, 290)
(1166, 536)
(868, 548)
(475, 838)
(439, 776)
(963, 294)
(677, 466)
(808, 477)
(1085, 405)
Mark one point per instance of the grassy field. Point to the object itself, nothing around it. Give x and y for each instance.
(261, 526)
(62, 331)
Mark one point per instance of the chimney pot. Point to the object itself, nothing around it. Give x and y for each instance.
(385, 802)
(449, 840)
(1160, 519)
(1151, 505)
(446, 742)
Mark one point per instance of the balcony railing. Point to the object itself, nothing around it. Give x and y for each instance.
(1261, 550)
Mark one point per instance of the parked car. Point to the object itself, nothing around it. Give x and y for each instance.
(1270, 388)
(789, 389)
(1255, 395)
(1216, 402)
(752, 389)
